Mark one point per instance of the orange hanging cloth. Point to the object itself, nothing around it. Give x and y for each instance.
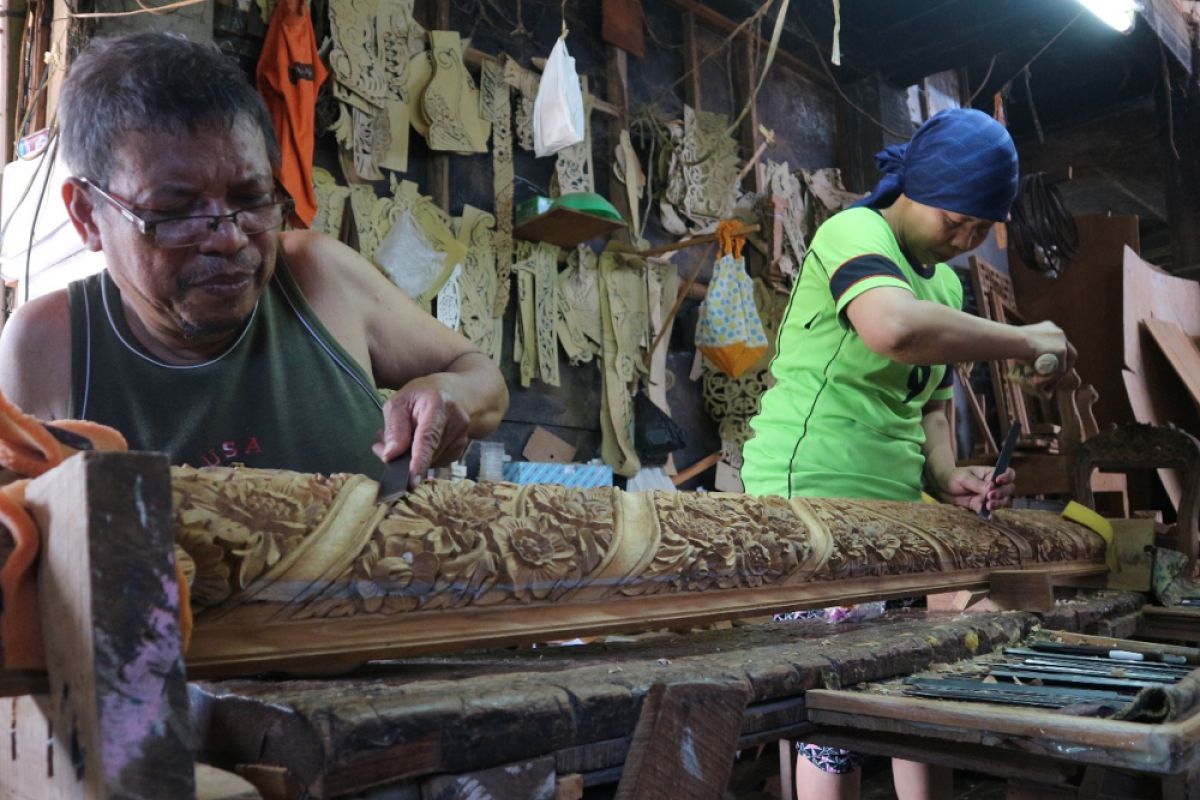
(289, 74)
(29, 448)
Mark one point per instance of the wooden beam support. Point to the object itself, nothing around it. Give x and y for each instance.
(719, 22)
(691, 61)
(115, 722)
(685, 741)
(748, 54)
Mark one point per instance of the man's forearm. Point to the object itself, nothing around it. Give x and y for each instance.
(477, 385)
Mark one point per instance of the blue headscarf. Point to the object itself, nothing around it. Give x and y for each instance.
(960, 160)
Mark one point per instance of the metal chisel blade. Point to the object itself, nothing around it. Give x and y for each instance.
(393, 483)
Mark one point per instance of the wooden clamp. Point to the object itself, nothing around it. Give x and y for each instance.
(115, 721)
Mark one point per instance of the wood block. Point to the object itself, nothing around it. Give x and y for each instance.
(118, 707)
(955, 601)
(534, 780)
(217, 784)
(685, 741)
(1131, 537)
(1022, 590)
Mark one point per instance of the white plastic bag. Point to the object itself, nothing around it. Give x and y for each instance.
(410, 259)
(558, 110)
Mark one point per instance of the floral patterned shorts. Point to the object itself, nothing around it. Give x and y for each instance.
(833, 760)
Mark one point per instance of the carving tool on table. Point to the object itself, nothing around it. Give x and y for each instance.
(393, 483)
(1006, 452)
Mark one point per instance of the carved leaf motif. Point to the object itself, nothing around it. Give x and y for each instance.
(235, 524)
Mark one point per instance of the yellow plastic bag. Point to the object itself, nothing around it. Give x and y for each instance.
(730, 333)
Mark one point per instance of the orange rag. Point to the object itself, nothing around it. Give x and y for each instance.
(29, 449)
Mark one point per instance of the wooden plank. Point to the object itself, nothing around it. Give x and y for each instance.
(1096, 274)
(1180, 349)
(959, 756)
(1173, 26)
(1170, 624)
(1161, 749)
(685, 741)
(718, 22)
(745, 80)
(691, 62)
(1132, 538)
(109, 604)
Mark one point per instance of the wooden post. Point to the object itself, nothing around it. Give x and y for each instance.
(437, 14)
(115, 723)
(617, 83)
(691, 61)
(685, 741)
(1178, 113)
(744, 82)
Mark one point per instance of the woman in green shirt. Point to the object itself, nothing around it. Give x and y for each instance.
(862, 383)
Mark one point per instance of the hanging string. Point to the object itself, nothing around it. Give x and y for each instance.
(564, 19)
(836, 55)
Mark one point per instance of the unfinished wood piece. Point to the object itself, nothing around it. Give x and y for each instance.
(1180, 349)
(1133, 540)
(1015, 590)
(115, 722)
(685, 741)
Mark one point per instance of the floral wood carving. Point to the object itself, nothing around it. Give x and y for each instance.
(271, 546)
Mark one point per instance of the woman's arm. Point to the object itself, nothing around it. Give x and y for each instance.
(894, 323)
(962, 486)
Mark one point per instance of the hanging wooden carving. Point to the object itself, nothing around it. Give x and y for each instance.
(536, 345)
(331, 201)
(579, 328)
(525, 83)
(496, 105)
(451, 101)
(703, 168)
(476, 230)
(625, 321)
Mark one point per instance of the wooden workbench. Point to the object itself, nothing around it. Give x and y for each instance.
(426, 725)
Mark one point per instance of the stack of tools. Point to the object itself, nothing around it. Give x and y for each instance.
(1089, 680)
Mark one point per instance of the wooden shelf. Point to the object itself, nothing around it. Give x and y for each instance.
(565, 227)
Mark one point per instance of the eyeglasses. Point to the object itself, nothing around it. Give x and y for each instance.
(189, 231)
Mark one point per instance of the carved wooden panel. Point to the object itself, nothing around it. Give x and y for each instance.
(289, 566)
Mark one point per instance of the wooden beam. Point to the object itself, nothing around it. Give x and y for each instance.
(691, 61)
(115, 723)
(1173, 28)
(719, 22)
(748, 56)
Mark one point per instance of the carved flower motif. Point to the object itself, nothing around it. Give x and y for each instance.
(535, 555)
